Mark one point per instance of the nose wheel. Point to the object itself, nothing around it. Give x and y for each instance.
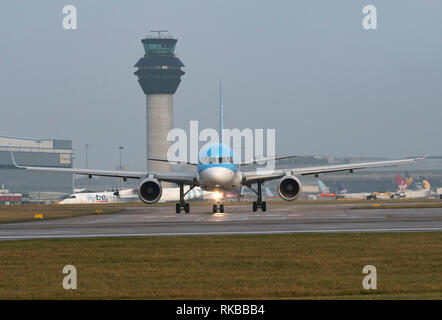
(259, 205)
(217, 206)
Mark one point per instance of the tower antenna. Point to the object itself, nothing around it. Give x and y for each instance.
(159, 32)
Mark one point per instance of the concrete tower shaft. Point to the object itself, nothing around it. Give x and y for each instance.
(159, 119)
(159, 75)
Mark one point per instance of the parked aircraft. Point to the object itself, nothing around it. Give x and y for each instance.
(131, 195)
(344, 194)
(325, 191)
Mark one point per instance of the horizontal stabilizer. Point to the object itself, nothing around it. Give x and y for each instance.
(177, 162)
(266, 159)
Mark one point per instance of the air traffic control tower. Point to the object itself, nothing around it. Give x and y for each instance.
(159, 74)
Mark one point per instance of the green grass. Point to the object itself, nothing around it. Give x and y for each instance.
(226, 267)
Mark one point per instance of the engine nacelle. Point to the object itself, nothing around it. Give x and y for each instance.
(150, 191)
(289, 188)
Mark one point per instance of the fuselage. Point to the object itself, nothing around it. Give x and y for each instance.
(173, 194)
(93, 197)
(218, 169)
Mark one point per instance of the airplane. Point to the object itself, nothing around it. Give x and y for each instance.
(218, 170)
(325, 191)
(423, 190)
(92, 197)
(401, 183)
(380, 196)
(343, 193)
(131, 195)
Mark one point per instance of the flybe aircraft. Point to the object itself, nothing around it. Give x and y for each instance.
(92, 197)
(131, 195)
(218, 170)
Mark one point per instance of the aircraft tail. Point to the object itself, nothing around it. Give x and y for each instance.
(408, 179)
(401, 183)
(426, 185)
(322, 186)
(341, 188)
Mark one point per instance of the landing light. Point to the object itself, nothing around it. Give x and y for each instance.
(217, 195)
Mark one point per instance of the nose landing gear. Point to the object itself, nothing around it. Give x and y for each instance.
(218, 205)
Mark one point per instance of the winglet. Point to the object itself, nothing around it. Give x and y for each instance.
(14, 163)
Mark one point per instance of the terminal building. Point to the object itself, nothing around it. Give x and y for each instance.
(36, 152)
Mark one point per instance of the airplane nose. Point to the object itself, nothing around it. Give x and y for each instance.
(218, 177)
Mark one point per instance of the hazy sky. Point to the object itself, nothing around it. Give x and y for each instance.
(306, 68)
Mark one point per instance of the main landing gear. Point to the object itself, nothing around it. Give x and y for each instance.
(259, 204)
(183, 205)
(218, 205)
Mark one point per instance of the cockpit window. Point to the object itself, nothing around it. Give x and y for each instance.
(227, 160)
(71, 197)
(212, 160)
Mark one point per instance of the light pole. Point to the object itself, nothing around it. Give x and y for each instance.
(86, 146)
(39, 175)
(121, 150)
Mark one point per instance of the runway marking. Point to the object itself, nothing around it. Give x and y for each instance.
(217, 233)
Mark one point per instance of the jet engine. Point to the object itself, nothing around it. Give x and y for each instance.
(289, 188)
(150, 191)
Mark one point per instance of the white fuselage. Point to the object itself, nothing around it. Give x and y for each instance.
(219, 179)
(131, 195)
(414, 194)
(360, 195)
(92, 197)
(173, 194)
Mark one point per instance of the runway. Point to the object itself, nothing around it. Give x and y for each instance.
(238, 219)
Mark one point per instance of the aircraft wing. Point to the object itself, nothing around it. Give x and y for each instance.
(175, 177)
(255, 161)
(256, 176)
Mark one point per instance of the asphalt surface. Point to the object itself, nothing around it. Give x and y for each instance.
(237, 219)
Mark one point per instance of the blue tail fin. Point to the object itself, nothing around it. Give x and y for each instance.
(322, 186)
(341, 188)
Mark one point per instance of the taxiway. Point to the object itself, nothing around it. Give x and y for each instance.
(238, 219)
